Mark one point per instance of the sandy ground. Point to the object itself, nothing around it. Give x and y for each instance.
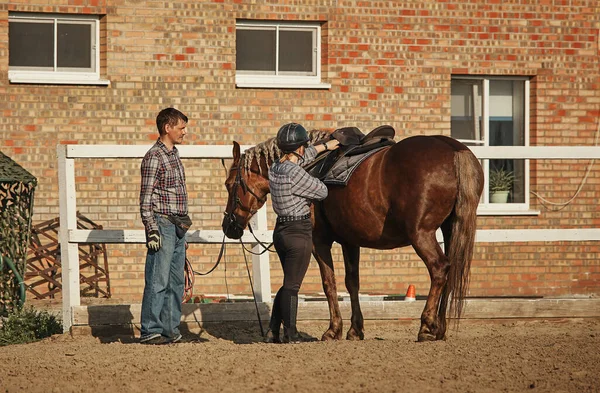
(483, 356)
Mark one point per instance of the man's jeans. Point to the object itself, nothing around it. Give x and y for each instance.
(164, 284)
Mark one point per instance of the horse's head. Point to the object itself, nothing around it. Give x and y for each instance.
(248, 186)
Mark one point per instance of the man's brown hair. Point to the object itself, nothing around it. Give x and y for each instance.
(169, 116)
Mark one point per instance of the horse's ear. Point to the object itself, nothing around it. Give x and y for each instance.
(236, 151)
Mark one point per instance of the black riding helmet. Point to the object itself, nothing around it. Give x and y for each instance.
(291, 136)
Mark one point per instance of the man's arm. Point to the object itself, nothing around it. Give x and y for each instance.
(149, 179)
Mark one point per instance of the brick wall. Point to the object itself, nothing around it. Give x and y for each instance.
(387, 63)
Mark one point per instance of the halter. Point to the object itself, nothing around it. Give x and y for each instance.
(240, 182)
(230, 217)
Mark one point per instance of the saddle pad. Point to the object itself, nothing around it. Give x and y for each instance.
(340, 172)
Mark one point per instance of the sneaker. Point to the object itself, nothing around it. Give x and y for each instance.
(147, 337)
(153, 339)
(175, 339)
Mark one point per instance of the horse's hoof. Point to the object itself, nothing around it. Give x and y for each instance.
(330, 336)
(352, 335)
(426, 337)
(426, 334)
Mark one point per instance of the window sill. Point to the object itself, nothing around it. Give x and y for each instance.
(45, 81)
(490, 211)
(283, 85)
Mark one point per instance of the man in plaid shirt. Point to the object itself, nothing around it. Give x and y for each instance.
(292, 191)
(163, 201)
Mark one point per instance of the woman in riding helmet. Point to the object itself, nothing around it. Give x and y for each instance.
(292, 190)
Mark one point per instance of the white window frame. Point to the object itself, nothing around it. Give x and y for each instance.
(92, 77)
(485, 207)
(284, 80)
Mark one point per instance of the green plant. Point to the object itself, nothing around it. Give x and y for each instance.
(501, 179)
(28, 325)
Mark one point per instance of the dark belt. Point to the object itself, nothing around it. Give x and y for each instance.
(167, 215)
(292, 218)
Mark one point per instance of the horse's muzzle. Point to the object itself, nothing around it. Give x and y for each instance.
(231, 228)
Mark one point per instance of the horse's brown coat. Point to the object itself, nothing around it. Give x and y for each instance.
(398, 197)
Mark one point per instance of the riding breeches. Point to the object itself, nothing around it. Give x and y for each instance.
(293, 243)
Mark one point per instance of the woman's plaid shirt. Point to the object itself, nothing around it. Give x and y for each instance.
(163, 187)
(292, 188)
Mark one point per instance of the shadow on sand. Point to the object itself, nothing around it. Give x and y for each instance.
(236, 322)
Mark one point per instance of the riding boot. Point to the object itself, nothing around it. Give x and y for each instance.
(273, 334)
(271, 337)
(289, 300)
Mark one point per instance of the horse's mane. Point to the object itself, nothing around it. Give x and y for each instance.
(269, 150)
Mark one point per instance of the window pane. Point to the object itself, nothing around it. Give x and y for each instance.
(30, 44)
(507, 113)
(74, 45)
(255, 50)
(466, 109)
(507, 128)
(507, 176)
(296, 51)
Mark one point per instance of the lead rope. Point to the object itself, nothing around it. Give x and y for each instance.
(222, 253)
(265, 248)
(262, 332)
(190, 272)
(188, 287)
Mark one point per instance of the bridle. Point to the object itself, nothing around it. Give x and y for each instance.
(231, 220)
(241, 183)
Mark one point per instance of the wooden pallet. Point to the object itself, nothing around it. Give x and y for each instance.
(43, 268)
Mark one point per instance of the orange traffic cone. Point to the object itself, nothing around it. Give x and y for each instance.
(411, 295)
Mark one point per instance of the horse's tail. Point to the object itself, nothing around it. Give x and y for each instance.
(460, 248)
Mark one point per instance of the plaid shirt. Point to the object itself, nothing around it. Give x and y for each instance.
(292, 188)
(163, 187)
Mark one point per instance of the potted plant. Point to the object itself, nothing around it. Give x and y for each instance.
(501, 182)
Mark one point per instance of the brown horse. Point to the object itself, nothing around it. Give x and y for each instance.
(397, 197)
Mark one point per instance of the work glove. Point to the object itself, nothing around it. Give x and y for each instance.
(153, 240)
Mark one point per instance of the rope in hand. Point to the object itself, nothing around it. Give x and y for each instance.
(189, 279)
(190, 273)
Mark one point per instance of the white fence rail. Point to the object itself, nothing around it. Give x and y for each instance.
(70, 236)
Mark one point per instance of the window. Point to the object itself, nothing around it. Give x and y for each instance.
(53, 48)
(493, 111)
(278, 54)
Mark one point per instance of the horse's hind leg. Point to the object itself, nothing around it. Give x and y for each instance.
(322, 253)
(444, 298)
(351, 264)
(427, 247)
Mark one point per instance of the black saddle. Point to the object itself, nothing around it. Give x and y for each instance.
(352, 142)
(352, 136)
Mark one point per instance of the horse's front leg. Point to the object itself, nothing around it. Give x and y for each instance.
(351, 264)
(322, 253)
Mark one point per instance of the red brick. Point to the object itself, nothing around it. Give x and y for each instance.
(384, 68)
